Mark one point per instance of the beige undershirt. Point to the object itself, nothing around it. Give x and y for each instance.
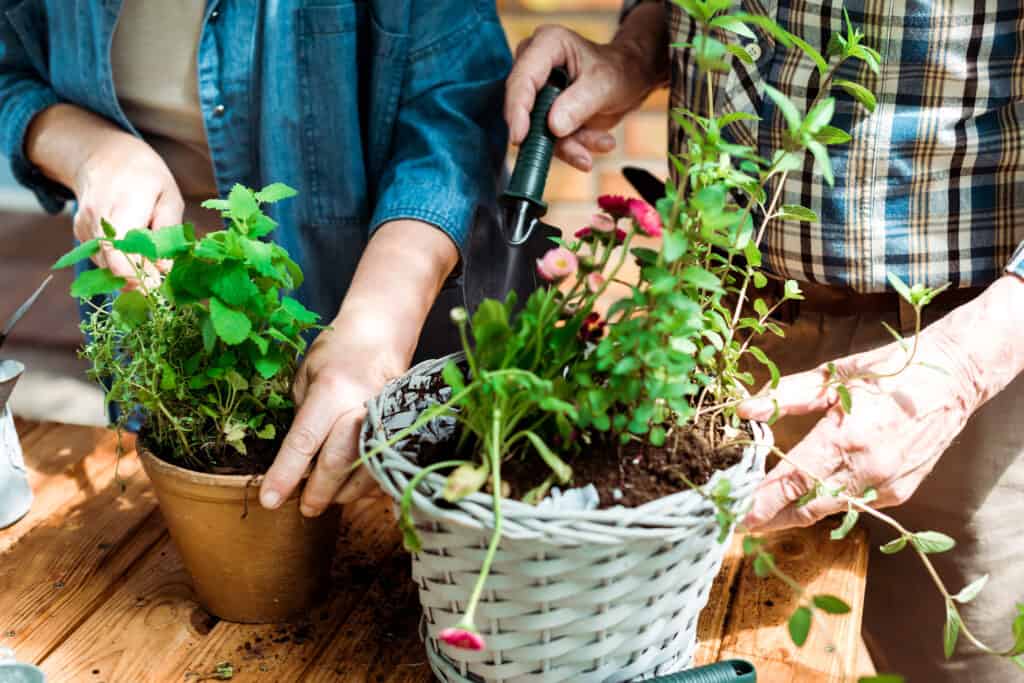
(155, 76)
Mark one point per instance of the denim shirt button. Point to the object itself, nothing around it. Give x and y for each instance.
(214, 14)
(219, 110)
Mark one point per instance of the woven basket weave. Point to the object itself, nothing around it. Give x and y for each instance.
(597, 596)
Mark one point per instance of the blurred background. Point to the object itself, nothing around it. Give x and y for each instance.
(54, 386)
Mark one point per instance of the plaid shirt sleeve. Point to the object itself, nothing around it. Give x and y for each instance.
(1016, 265)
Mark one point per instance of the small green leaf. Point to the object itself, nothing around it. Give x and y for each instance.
(95, 282)
(764, 564)
(819, 117)
(845, 400)
(894, 546)
(763, 359)
(787, 108)
(699, 277)
(739, 53)
(951, 631)
(859, 93)
(298, 311)
(80, 253)
(673, 245)
(730, 23)
(844, 529)
(831, 604)
(109, 231)
(232, 284)
(800, 626)
(791, 290)
(830, 135)
(137, 242)
(811, 52)
(230, 325)
(900, 286)
(823, 161)
(216, 204)
(932, 542)
(268, 365)
(882, 678)
(452, 376)
(971, 590)
(172, 240)
(275, 192)
(242, 202)
(131, 308)
(799, 213)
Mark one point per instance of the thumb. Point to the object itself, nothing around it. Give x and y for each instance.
(587, 96)
(799, 394)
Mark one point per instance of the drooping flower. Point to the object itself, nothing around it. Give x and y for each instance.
(616, 205)
(602, 223)
(558, 263)
(595, 281)
(592, 328)
(463, 637)
(620, 235)
(646, 217)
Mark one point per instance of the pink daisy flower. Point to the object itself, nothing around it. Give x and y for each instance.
(646, 217)
(557, 264)
(595, 281)
(616, 205)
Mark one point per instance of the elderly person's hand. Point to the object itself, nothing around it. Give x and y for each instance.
(900, 422)
(371, 340)
(113, 175)
(608, 81)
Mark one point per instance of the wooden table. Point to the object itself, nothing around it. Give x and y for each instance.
(91, 590)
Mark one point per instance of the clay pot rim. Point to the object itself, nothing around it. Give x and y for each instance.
(232, 481)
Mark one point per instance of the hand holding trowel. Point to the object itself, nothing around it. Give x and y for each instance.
(503, 260)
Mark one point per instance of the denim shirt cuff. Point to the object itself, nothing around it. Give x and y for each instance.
(443, 207)
(52, 196)
(1016, 264)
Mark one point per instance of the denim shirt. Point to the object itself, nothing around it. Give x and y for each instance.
(374, 110)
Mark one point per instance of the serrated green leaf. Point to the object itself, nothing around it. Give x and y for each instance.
(95, 282)
(298, 311)
(894, 546)
(275, 192)
(83, 251)
(216, 204)
(173, 240)
(800, 625)
(230, 325)
(131, 308)
(232, 285)
(858, 92)
(269, 364)
(932, 542)
(137, 242)
(242, 202)
(830, 604)
(971, 590)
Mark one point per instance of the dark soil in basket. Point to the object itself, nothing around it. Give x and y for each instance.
(260, 454)
(629, 475)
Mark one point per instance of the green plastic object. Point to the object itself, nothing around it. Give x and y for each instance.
(729, 671)
(534, 159)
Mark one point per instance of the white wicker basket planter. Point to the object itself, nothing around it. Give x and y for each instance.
(599, 596)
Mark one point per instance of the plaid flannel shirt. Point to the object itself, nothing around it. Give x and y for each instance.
(931, 187)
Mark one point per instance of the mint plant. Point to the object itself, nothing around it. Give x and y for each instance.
(207, 354)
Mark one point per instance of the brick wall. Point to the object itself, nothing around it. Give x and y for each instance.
(641, 137)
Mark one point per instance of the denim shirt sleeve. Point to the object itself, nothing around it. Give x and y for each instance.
(450, 136)
(24, 93)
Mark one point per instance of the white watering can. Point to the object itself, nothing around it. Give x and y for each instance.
(12, 671)
(15, 493)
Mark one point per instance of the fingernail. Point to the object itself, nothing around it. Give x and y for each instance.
(581, 162)
(606, 143)
(270, 499)
(309, 511)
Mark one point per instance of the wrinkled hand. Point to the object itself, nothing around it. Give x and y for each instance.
(608, 82)
(897, 429)
(127, 183)
(333, 383)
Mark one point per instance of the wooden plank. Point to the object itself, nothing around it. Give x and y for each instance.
(283, 652)
(152, 612)
(54, 576)
(68, 465)
(756, 627)
(711, 626)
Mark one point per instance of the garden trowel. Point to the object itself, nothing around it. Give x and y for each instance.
(502, 258)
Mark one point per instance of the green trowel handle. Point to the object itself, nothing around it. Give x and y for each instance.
(729, 671)
(534, 159)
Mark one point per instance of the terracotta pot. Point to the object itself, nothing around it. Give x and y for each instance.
(248, 564)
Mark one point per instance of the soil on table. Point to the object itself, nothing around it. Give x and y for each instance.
(629, 475)
(260, 454)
